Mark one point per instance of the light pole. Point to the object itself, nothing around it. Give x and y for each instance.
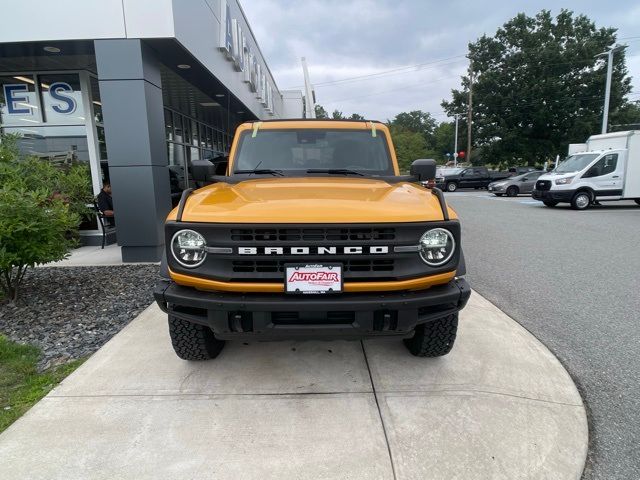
(455, 143)
(607, 93)
(309, 103)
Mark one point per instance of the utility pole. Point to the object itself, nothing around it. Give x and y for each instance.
(469, 111)
(309, 104)
(607, 92)
(455, 143)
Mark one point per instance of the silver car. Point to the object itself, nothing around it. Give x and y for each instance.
(514, 186)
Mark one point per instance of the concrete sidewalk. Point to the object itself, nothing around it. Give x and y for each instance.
(500, 406)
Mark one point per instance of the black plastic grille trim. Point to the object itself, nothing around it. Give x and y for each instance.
(543, 185)
(311, 234)
(273, 266)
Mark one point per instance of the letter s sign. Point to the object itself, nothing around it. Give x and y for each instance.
(57, 91)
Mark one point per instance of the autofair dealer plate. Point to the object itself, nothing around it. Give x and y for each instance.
(313, 279)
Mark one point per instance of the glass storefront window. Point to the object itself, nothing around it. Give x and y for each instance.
(102, 142)
(188, 140)
(194, 133)
(177, 128)
(96, 100)
(186, 130)
(62, 99)
(58, 133)
(18, 101)
(168, 125)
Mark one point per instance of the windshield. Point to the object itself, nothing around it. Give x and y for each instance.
(575, 163)
(289, 151)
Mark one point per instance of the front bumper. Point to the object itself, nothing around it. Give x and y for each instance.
(496, 189)
(272, 316)
(554, 195)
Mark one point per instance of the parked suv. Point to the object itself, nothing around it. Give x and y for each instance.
(472, 177)
(312, 233)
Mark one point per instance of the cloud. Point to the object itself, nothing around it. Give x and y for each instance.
(343, 39)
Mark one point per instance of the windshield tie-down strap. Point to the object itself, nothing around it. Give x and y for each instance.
(256, 126)
(183, 202)
(374, 133)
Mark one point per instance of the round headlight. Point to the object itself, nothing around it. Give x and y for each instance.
(188, 248)
(437, 246)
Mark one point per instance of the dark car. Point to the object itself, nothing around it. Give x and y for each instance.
(514, 186)
(472, 177)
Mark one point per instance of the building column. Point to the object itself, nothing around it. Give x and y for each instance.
(132, 109)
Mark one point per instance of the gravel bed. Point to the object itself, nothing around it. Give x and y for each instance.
(70, 312)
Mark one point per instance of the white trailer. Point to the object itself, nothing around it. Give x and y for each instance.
(607, 169)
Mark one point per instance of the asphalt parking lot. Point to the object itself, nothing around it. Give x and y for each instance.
(572, 279)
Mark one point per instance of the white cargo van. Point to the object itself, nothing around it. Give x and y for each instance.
(607, 169)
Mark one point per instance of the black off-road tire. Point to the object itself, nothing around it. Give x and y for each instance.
(191, 341)
(451, 187)
(434, 339)
(512, 191)
(550, 203)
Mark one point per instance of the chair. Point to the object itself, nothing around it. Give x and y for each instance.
(101, 221)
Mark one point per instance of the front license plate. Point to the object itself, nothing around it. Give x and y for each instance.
(313, 278)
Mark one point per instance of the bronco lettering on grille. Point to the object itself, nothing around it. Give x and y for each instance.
(349, 250)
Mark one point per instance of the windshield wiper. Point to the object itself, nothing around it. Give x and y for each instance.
(262, 171)
(335, 171)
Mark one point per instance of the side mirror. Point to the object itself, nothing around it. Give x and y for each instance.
(423, 169)
(203, 170)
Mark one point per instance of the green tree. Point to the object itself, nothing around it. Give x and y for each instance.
(337, 115)
(417, 121)
(539, 87)
(321, 112)
(40, 211)
(409, 146)
(443, 139)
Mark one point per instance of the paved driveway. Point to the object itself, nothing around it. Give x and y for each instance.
(499, 406)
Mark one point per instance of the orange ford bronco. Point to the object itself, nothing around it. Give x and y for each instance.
(312, 233)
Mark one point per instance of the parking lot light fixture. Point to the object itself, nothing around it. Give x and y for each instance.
(607, 93)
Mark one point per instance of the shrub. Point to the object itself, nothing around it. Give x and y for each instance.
(41, 207)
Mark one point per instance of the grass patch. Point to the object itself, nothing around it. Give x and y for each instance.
(21, 385)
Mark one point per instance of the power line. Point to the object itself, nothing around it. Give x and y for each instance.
(420, 66)
(400, 70)
(404, 87)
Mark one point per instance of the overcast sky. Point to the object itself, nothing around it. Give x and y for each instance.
(350, 38)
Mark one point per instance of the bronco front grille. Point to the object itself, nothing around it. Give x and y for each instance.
(261, 261)
(266, 266)
(310, 234)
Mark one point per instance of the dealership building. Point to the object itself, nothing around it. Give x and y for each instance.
(138, 89)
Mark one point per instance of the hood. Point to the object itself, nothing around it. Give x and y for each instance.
(552, 174)
(312, 200)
